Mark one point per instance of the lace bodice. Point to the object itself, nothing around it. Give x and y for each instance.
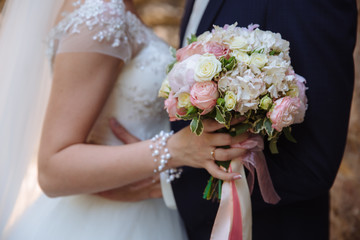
(108, 28)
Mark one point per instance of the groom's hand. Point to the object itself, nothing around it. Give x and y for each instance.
(138, 191)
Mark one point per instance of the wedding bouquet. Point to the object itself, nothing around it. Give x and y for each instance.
(231, 72)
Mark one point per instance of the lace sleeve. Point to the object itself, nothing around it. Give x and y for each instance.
(98, 26)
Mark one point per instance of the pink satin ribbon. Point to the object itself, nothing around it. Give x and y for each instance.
(228, 223)
(253, 160)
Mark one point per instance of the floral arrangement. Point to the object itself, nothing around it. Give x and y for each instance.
(231, 72)
(234, 71)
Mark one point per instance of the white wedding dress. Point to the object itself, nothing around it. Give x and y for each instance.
(106, 27)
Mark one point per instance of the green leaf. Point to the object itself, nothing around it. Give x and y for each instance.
(287, 132)
(173, 52)
(192, 39)
(220, 115)
(268, 127)
(228, 117)
(194, 124)
(191, 110)
(220, 188)
(206, 194)
(170, 66)
(258, 125)
(273, 146)
(220, 102)
(200, 128)
(242, 128)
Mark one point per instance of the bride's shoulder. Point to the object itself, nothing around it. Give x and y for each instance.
(105, 22)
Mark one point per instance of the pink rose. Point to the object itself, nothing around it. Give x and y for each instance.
(171, 106)
(181, 77)
(219, 50)
(192, 49)
(203, 95)
(300, 81)
(284, 112)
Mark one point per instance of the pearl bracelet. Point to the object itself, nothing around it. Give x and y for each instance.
(161, 155)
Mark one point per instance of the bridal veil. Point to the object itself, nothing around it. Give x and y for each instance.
(24, 88)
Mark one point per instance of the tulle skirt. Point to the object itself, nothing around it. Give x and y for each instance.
(87, 217)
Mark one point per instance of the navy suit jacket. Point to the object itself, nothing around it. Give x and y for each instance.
(322, 35)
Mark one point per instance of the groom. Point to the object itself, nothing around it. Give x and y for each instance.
(322, 36)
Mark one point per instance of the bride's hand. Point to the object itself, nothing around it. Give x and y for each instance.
(201, 151)
(196, 151)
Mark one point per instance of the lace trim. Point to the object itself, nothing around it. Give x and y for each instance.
(117, 25)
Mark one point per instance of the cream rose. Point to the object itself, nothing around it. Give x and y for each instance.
(239, 43)
(258, 60)
(230, 100)
(206, 68)
(164, 89)
(184, 100)
(241, 57)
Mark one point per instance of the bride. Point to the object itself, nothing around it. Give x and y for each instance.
(105, 63)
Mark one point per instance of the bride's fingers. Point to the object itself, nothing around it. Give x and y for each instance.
(222, 154)
(224, 139)
(211, 125)
(217, 172)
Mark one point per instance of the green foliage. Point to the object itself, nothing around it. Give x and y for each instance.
(273, 146)
(192, 39)
(173, 52)
(228, 64)
(287, 133)
(197, 126)
(170, 66)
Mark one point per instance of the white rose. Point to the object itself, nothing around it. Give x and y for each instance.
(207, 67)
(239, 43)
(230, 100)
(164, 89)
(184, 100)
(258, 60)
(241, 56)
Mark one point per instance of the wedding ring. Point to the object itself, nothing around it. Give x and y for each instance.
(213, 154)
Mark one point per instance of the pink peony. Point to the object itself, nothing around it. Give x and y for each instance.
(188, 51)
(284, 113)
(181, 77)
(219, 50)
(203, 95)
(171, 106)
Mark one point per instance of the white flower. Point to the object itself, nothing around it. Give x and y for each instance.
(164, 89)
(230, 100)
(184, 100)
(207, 68)
(241, 56)
(205, 37)
(239, 43)
(258, 60)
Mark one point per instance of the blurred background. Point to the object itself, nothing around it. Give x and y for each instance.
(164, 17)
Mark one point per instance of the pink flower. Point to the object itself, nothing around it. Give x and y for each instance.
(181, 77)
(203, 95)
(300, 81)
(284, 113)
(192, 49)
(219, 50)
(171, 106)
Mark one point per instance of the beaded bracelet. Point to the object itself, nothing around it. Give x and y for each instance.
(162, 155)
